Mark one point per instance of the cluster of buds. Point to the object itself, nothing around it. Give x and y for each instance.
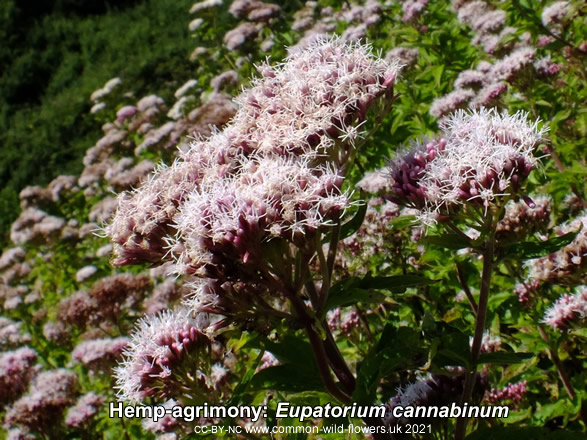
(512, 393)
(166, 358)
(568, 311)
(525, 290)
(482, 156)
(524, 218)
(566, 265)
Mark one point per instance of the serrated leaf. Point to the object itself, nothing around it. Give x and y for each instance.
(287, 377)
(353, 290)
(503, 358)
(448, 241)
(289, 350)
(352, 296)
(529, 250)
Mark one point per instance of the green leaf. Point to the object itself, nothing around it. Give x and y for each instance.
(398, 349)
(528, 250)
(581, 332)
(353, 225)
(448, 241)
(354, 295)
(504, 358)
(287, 377)
(237, 396)
(402, 222)
(353, 290)
(510, 433)
(289, 350)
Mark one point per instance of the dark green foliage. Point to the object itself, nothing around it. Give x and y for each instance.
(53, 56)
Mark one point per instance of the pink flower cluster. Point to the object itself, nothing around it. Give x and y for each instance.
(512, 393)
(567, 264)
(84, 410)
(165, 357)
(275, 171)
(481, 156)
(16, 370)
(568, 310)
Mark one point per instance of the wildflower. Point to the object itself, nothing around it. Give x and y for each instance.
(267, 360)
(525, 290)
(219, 82)
(512, 393)
(508, 67)
(19, 434)
(99, 354)
(188, 86)
(275, 171)
(84, 410)
(195, 24)
(521, 220)
(115, 293)
(238, 36)
(48, 396)
(16, 371)
(76, 309)
(167, 423)
(491, 21)
(166, 358)
(412, 9)
(471, 11)
(85, 273)
(482, 156)
(343, 321)
(203, 5)
(567, 264)
(10, 335)
(489, 342)
(568, 310)
(545, 67)
(468, 78)
(454, 100)
(125, 112)
(489, 94)
(56, 332)
(106, 90)
(11, 256)
(434, 390)
(408, 57)
(553, 14)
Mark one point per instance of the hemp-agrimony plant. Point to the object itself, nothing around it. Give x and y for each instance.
(464, 181)
(247, 211)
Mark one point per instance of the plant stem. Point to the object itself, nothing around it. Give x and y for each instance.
(471, 373)
(465, 286)
(553, 355)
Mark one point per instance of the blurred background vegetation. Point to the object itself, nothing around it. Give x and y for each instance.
(53, 55)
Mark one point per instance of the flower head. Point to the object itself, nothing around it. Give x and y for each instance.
(275, 171)
(163, 358)
(567, 309)
(482, 155)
